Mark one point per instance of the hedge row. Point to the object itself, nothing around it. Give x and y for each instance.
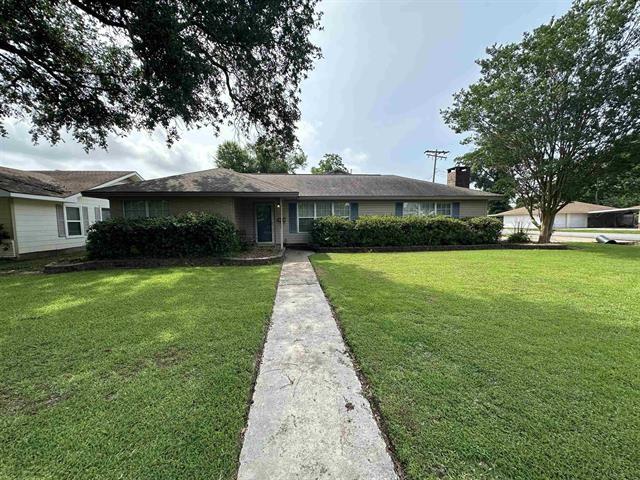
(189, 235)
(381, 231)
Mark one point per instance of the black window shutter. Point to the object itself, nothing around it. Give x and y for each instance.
(293, 217)
(398, 209)
(353, 211)
(455, 209)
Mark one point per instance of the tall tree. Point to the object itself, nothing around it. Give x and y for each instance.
(99, 67)
(548, 109)
(274, 157)
(263, 156)
(235, 157)
(330, 163)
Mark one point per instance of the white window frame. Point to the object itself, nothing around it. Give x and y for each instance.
(66, 220)
(421, 212)
(315, 211)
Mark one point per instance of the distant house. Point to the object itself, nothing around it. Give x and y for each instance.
(575, 215)
(280, 208)
(45, 211)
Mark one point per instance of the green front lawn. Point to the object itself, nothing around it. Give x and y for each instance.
(499, 364)
(139, 374)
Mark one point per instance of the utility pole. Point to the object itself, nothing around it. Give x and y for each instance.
(436, 154)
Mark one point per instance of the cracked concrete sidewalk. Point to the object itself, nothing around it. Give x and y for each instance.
(309, 418)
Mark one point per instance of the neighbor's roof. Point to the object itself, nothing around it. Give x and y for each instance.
(55, 183)
(219, 181)
(620, 210)
(573, 207)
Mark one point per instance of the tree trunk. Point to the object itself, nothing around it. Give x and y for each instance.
(546, 226)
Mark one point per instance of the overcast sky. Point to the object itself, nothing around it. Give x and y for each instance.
(388, 68)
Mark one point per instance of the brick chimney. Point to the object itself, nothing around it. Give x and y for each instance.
(459, 176)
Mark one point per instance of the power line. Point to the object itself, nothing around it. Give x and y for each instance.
(436, 154)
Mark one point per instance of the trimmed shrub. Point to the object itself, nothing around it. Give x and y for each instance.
(189, 235)
(335, 231)
(519, 236)
(383, 231)
(486, 229)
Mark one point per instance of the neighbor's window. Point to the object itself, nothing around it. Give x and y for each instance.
(426, 208)
(145, 208)
(74, 223)
(308, 211)
(106, 214)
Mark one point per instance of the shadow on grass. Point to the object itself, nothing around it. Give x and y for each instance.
(490, 375)
(137, 373)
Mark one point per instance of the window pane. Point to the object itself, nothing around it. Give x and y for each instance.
(73, 213)
(444, 209)
(305, 209)
(134, 209)
(323, 209)
(304, 224)
(410, 208)
(429, 208)
(74, 228)
(158, 208)
(106, 214)
(341, 209)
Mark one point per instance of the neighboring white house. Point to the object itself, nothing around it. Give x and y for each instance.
(44, 211)
(574, 215)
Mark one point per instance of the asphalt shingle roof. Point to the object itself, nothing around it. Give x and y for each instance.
(54, 183)
(224, 181)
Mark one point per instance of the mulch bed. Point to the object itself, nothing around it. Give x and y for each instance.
(443, 248)
(257, 256)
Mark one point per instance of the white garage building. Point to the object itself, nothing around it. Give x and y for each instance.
(574, 215)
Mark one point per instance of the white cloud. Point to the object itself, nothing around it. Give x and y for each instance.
(146, 153)
(307, 133)
(355, 161)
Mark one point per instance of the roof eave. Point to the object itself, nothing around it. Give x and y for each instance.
(109, 194)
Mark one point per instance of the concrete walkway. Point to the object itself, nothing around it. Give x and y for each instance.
(309, 418)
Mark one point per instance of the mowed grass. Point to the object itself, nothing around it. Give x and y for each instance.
(499, 364)
(139, 374)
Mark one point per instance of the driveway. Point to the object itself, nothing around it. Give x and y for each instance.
(577, 236)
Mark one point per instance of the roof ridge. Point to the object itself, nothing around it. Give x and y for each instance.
(453, 187)
(273, 185)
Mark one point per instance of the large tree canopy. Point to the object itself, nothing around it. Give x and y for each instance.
(97, 67)
(330, 163)
(263, 156)
(547, 111)
(620, 185)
